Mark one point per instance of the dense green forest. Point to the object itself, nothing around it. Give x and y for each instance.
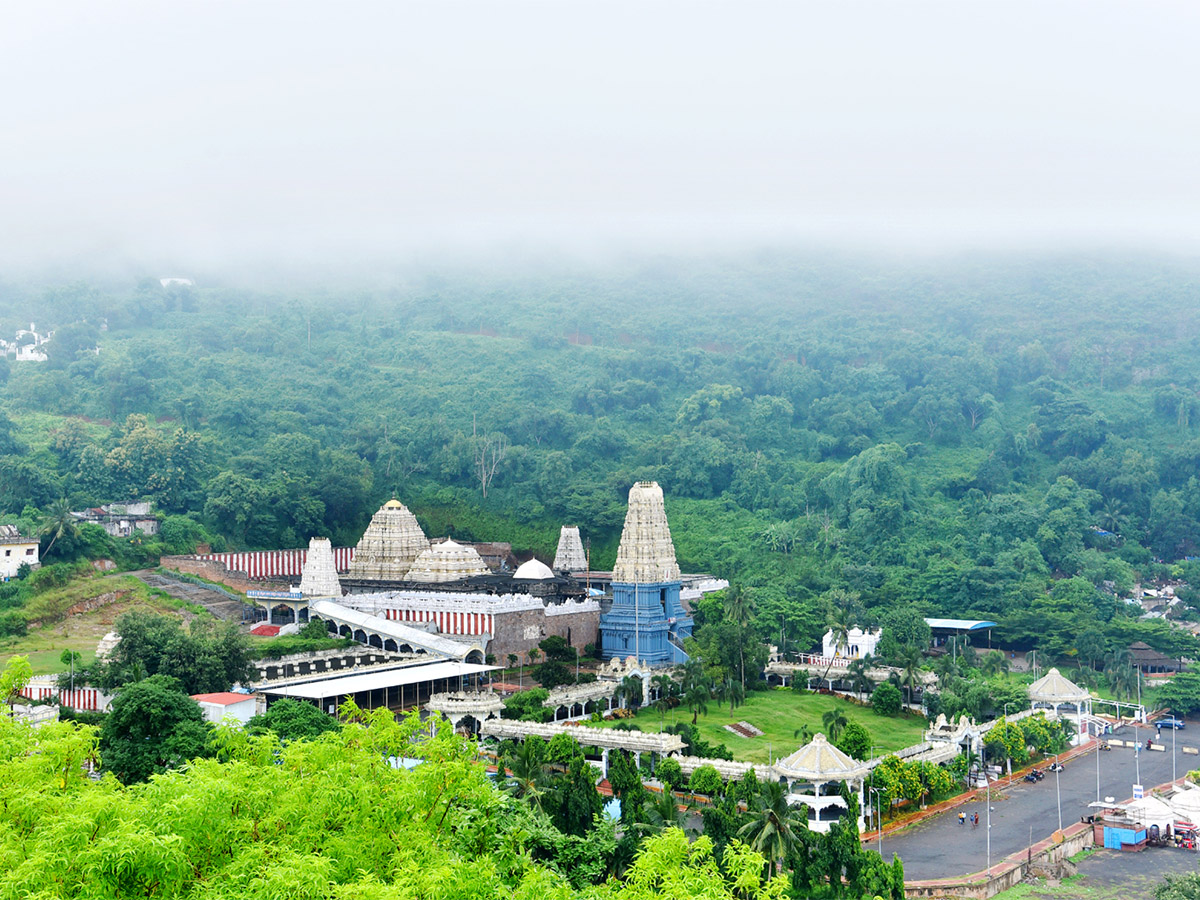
(1006, 438)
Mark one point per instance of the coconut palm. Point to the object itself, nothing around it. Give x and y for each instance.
(775, 826)
(839, 627)
(526, 773)
(804, 733)
(835, 722)
(662, 684)
(910, 670)
(995, 663)
(860, 683)
(631, 691)
(737, 612)
(661, 811)
(57, 522)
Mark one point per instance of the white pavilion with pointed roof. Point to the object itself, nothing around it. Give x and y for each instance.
(814, 775)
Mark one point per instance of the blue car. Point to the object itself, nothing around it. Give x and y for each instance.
(1170, 722)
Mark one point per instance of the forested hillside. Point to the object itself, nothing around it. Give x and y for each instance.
(1009, 439)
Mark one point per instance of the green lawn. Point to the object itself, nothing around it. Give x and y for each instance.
(778, 713)
(44, 644)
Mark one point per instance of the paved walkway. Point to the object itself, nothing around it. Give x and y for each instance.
(939, 847)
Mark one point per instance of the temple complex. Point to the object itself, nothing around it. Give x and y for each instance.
(570, 556)
(646, 619)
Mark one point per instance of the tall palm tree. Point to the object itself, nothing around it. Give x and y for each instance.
(57, 522)
(859, 681)
(995, 663)
(663, 684)
(737, 611)
(631, 691)
(736, 694)
(840, 627)
(835, 722)
(910, 670)
(774, 826)
(661, 812)
(1122, 678)
(525, 773)
(697, 697)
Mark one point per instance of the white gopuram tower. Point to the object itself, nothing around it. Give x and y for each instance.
(319, 577)
(569, 557)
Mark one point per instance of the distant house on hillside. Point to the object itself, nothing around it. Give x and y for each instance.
(16, 550)
(121, 519)
(28, 345)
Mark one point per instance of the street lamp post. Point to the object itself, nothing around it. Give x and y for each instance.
(987, 781)
(1058, 789)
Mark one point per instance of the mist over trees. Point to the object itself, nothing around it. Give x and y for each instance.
(1009, 439)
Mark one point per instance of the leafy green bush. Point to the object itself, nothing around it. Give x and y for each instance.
(670, 773)
(886, 699)
(706, 780)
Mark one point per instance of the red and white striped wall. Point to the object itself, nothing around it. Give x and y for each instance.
(467, 623)
(276, 563)
(86, 699)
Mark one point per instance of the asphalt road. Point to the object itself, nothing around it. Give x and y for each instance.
(940, 847)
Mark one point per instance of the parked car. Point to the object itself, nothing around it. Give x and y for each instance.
(1170, 722)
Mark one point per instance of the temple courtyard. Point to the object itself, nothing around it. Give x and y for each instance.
(778, 714)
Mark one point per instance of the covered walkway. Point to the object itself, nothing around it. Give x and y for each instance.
(386, 634)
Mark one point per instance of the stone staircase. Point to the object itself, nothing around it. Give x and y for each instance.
(217, 602)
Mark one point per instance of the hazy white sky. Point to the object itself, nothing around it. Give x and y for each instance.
(197, 131)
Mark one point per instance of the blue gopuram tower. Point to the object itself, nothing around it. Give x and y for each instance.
(647, 618)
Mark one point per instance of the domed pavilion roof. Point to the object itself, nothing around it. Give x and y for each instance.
(533, 570)
(818, 761)
(447, 561)
(1054, 688)
(389, 546)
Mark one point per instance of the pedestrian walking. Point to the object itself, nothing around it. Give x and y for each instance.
(962, 818)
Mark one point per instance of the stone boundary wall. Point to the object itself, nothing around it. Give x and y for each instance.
(520, 631)
(217, 571)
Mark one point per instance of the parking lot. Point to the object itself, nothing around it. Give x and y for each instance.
(940, 847)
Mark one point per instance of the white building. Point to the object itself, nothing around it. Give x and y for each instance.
(858, 644)
(242, 707)
(15, 551)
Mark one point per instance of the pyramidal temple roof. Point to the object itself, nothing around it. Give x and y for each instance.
(570, 556)
(448, 561)
(389, 546)
(319, 578)
(646, 554)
